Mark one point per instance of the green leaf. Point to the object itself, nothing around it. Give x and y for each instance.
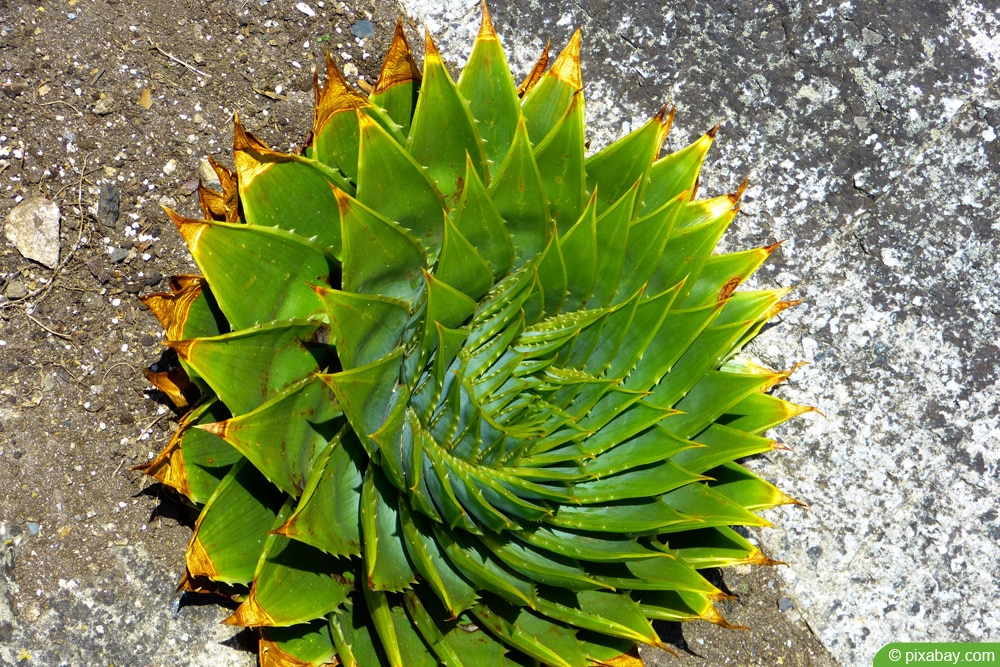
(547, 642)
(366, 393)
(393, 184)
(675, 173)
(289, 192)
(647, 238)
(591, 547)
(580, 243)
(688, 248)
(544, 567)
(398, 82)
(722, 274)
(519, 196)
(678, 606)
(473, 560)
(284, 436)
(246, 368)
(274, 266)
(194, 461)
(229, 534)
(644, 325)
(707, 508)
(364, 327)
(641, 482)
(385, 628)
(446, 306)
(461, 264)
(327, 514)
(757, 413)
(715, 393)
(678, 332)
(294, 583)
(431, 631)
(604, 612)
(444, 132)
(430, 562)
(612, 240)
(548, 100)
(352, 634)
(551, 270)
(722, 444)
(705, 353)
(618, 167)
(642, 516)
(720, 546)
(560, 162)
(665, 573)
(742, 486)
(386, 563)
(477, 218)
(487, 84)
(303, 645)
(379, 256)
(335, 134)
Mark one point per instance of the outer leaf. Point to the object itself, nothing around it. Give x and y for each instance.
(674, 173)
(229, 535)
(365, 327)
(548, 101)
(399, 81)
(461, 264)
(194, 460)
(248, 367)
(619, 166)
(294, 583)
(560, 163)
(386, 563)
(305, 645)
(284, 436)
(429, 560)
(306, 203)
(393, 183)
(242, 259)
(327, 514)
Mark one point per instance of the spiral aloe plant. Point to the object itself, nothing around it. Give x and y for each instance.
(459, 393)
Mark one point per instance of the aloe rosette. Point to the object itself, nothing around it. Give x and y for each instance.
(460, 393)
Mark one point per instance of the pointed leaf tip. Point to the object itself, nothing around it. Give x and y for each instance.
(537, 70)
(486, 29)
(398, 66)
(430, 48)
(567, 64)
(189, 228)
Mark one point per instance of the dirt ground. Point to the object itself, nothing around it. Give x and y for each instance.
(121, 99)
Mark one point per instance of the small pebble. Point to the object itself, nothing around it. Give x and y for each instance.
(103, 106)
(784, 604)
(363, 29)
(15, 290)
(117, 255)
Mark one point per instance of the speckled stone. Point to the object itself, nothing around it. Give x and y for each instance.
(869, 134)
